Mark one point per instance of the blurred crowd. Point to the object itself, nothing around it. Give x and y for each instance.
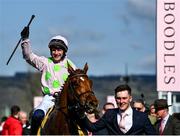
(16, 124)
(153, 119)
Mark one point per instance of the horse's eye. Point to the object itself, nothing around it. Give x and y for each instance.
(76, 84)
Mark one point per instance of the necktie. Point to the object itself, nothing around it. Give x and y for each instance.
(161, 127)
(122, 122)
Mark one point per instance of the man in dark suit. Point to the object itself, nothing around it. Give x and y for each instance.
(167, 124)
(132, 122)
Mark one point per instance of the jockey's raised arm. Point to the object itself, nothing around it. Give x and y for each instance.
(53, 70)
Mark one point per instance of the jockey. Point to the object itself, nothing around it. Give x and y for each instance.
(54, 72)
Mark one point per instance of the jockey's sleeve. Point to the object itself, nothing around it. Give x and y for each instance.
(33, 59)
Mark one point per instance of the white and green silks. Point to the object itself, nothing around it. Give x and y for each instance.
(53, 74)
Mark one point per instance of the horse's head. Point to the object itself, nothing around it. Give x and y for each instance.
(80, 89)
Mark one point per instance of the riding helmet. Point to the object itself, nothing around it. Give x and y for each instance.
(58, 42)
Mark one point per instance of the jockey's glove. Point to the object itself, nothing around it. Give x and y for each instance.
(25, 33)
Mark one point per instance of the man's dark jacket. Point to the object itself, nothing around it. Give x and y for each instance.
(141, 123)
(172, 126)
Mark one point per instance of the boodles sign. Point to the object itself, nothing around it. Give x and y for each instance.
(168, 45)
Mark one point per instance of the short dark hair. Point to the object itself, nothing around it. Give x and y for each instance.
(108, 103)
(123, 87)
(15, 109)
(139, 101)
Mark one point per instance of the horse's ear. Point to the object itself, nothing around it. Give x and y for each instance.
(70, 69)
(86, 67)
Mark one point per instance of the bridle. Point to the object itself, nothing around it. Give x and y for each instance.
(77, 97)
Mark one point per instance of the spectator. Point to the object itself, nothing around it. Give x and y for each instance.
(106, 106)
(152, 115)
(139, 105)
(25, 123)
(167, 124)
(12, 125)
(3, 119)
(122, 120)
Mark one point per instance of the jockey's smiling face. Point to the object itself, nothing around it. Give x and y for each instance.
(57, 54)
(58, 46)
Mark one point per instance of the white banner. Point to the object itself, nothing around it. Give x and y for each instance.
(168, 45)
(111, 99)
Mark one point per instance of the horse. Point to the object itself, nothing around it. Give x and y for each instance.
(76, 94)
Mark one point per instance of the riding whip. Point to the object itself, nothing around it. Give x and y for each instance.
(32, 17)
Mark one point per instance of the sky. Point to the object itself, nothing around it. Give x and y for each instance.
(107, 34)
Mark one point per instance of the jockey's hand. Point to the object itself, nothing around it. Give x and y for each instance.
(25, 33)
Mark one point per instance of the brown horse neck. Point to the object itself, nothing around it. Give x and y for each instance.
(61, 101)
